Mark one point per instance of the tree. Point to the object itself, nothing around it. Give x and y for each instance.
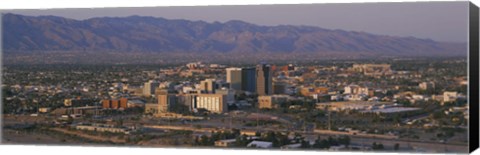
(332, 142)
(283, 140)
(181, 109)
(304, 144)
(344, 140)
(204, 140)
(258, 134)
(241, 141)
(376, 146)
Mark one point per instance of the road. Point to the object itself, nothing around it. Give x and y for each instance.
(361, 141)
(404, 144)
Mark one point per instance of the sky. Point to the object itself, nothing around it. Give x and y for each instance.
(440, 21)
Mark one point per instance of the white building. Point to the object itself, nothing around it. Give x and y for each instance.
(418, 97)
(260, 144)
(188, 89)
(356, 90)
(292, 146)
(215, 103)
(208, 86)
(149, 87)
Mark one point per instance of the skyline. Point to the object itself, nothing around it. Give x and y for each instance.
(425, 20)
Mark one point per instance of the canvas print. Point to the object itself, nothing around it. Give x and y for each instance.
(360, 77)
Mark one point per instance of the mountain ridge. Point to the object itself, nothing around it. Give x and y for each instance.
(157, 34)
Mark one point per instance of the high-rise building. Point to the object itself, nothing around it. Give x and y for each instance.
(264, 79)
(165, 102)
(234, 78)
(149, 87)
(249, 80)
(207, 86)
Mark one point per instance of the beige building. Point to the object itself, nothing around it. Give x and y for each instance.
(373, 69)
(67, 102)
(225, 143)
(150, 87)
(165, 102)
(215, 103)
(449, 96)
(151, 108)
(234, 78)
(426, 85)
(44, 110)
(208, 86)
(356, 90)
(270, 102)
(264, 75)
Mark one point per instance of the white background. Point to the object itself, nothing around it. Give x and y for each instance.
(70, 150)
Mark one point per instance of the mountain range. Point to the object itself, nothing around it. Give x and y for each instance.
(152, 34)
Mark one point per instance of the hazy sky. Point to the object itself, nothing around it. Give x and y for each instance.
(441, 21)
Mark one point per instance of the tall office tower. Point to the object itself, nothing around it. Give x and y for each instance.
(264, 79)
(165, 102)
(208, 86)
(249, 80)
(149, 87)
(234, 78)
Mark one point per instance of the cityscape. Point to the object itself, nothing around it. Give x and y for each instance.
(404, 105)
(147, 81)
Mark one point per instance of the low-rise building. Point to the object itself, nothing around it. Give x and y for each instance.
(426, 85)
(135, 103)
(373, 69)
(102, 128)
(356, 90)
(449, 96)
(215, 103)
(309, 91)
(44, 110)
(225, 143)
(291, 146)
(115, 103)
(271, 101)
(151, 108)
(260, 144)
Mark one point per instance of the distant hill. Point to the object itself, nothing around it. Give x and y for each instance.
(149, 34)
